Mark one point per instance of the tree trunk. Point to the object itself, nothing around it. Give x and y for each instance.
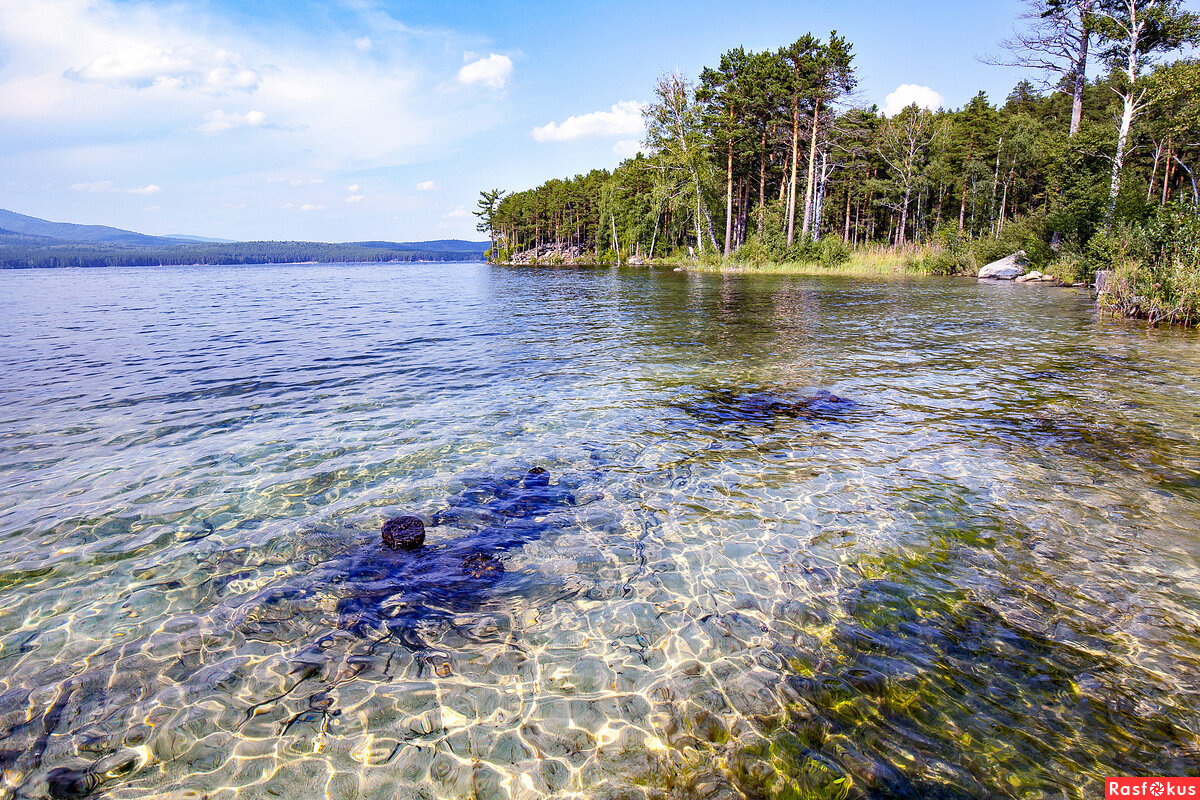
(962, 210)
(819, 199)
(1004, 199)
(1080, 83)
(1195, 193)
(1154, 172)
(654, 238)
(729, 199)
(1114, 187)
(1167, 174)
(810, 187)
(849, 194)
(762, 182)
(791, 210)
(901, 233)
(995, 185)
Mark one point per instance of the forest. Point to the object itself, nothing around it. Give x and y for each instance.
(767, 158)
(17, 252)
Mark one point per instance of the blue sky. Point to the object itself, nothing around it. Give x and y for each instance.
(352, 120)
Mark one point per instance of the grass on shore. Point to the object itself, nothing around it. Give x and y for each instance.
(868, 260)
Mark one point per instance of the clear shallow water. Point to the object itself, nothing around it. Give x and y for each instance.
(973, 572)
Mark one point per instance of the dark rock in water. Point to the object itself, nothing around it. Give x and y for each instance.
(725, 406)
(537, 478)
(403, 533)
(482, 565)
(71, 784)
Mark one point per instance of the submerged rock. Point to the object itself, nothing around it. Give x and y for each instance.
(66, 783)
(764, 407)
(482, 565)
(403, 533)
(1007, 268)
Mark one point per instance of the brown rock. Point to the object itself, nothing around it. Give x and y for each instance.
(403, 533)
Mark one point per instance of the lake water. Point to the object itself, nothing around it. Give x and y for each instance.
(795, 537)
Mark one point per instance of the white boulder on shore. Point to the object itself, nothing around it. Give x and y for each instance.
(1006, 269)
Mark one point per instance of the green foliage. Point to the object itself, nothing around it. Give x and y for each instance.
(954, 188)
(1156, 266)
(25, 255)
(1024, 233)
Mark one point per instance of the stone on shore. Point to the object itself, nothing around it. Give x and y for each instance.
(403, 533)
(1006, 269)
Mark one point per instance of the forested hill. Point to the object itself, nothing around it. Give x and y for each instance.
(27, 242)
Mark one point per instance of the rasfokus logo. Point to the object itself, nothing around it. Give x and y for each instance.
(1151, 787)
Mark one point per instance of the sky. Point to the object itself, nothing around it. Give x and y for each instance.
(359, 120)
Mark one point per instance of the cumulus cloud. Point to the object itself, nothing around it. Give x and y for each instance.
(625, 119)
(426, 186)
(458, 213)
(354, 187)
(909, 93)
(217, 121)
(142, 64)
(492, 71)
(312, 207)
(355, 198)
(149, 189)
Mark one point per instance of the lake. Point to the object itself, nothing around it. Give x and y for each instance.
(687, 536)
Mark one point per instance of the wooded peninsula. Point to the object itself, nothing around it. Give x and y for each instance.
(765, 161)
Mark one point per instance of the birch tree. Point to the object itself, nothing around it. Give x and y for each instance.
(674, 133)
(903, 141)
(1134, 33)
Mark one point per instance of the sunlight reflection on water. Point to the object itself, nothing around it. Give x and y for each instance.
(971, 571)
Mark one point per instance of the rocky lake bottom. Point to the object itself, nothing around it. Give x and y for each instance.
(685, 536)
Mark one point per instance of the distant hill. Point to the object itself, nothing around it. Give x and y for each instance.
(31, 242)
(69, 232)
(435, 246)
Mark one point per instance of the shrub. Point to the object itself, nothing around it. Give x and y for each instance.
(1156, 266)
(832, 252)
(753, 252)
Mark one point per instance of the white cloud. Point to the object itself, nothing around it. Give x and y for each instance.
(217, 121)
(458, 213)
(627, 148)
(355, 198)
(426, 186)
(625, 119)
(143, 64)
(909, 93)
(312, 207)
(352, 188)
(94, 70)
(98, 186)
(112, 188)
(122, 90)
(492, 71)
(364, 43)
